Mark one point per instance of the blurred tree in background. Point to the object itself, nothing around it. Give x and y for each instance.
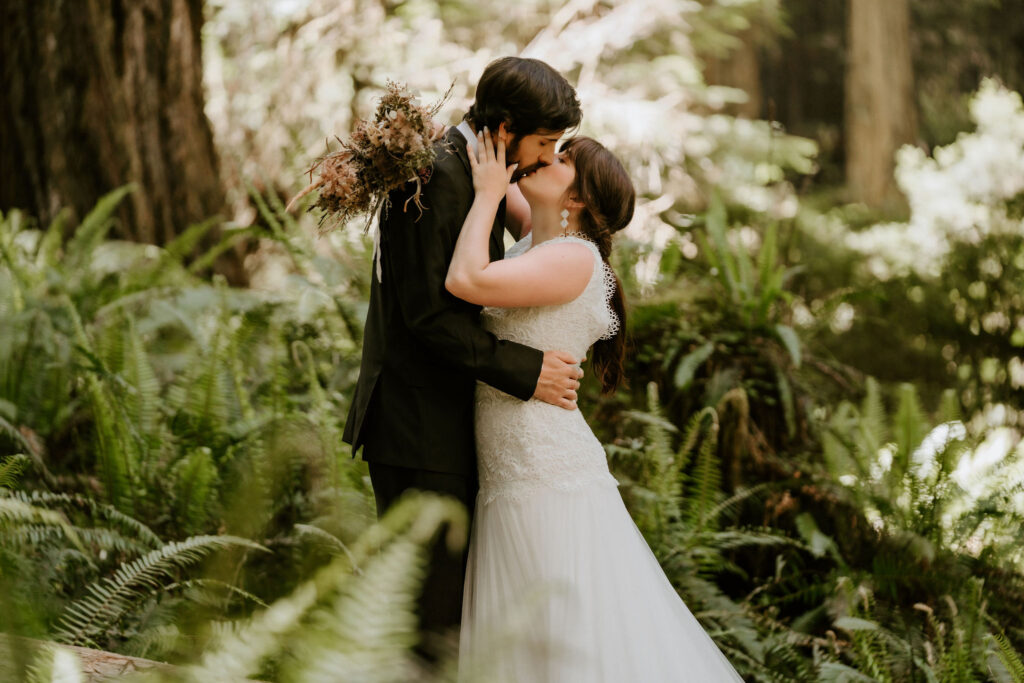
(104, 94)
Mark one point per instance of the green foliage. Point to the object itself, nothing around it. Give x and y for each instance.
(950, 647)
(355, 615)
(675, 497)
(1010, 658)
(137, 394)
(87, 621)
(905, 473)
(755, 292)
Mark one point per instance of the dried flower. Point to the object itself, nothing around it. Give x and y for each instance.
(380, 155)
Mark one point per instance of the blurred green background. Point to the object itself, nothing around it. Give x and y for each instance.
(821, 437)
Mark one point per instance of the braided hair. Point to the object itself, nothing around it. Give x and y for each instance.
(604, 188)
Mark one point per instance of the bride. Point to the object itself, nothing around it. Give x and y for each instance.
(560, 585)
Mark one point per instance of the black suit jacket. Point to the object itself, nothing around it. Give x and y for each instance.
(424, 349)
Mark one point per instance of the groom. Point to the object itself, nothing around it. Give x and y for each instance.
(424, 350)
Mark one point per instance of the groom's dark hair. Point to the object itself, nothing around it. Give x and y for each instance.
(525, 93)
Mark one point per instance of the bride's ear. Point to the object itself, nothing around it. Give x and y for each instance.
(573, 203)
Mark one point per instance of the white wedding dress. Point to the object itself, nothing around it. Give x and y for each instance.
(561, 586)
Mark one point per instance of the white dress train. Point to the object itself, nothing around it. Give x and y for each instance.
(561, 586)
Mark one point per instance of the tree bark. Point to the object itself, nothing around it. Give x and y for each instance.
(880, 111)
(740, 69)
(101, 93)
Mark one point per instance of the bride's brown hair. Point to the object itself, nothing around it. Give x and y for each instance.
(604, 188)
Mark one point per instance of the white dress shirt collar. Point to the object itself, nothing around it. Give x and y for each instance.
(467, 132)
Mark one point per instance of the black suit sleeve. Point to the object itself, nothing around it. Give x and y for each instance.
(417, 250)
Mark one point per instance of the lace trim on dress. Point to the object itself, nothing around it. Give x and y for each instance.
(608, 275)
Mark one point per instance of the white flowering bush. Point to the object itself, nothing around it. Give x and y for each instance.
(959, 195)
(282, 75)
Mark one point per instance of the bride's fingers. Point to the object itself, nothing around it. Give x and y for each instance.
(488, 144)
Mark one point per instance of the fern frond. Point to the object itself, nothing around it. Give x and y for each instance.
(93, 228)
(240, 647)
(87, 619)
(328, 539)
(207, 584)
(369, 630)
(1010, 658)
(871, 425)
(97, 510)
(98, 538)
(195, 480)
(705, 483)
(116, 450)
(15, 513)
(11, 468)
(387, 552)
(909, 428)
(143, 402)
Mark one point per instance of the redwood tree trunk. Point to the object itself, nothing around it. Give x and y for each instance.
(880, 111)
(100, 93)
(740, 69)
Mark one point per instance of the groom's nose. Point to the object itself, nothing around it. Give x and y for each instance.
(547, 157)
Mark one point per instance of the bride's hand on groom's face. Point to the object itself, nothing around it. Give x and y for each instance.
(490, 175)
(559, 380)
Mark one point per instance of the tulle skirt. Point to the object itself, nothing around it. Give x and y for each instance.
(562, 587)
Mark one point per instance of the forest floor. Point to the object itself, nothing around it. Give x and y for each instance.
(95, 665)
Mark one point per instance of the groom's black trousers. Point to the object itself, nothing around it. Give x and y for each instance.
(440, 605)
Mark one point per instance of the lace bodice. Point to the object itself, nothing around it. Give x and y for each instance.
(573, 326)
(522, 445)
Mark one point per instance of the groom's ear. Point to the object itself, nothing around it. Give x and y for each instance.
(503, 133)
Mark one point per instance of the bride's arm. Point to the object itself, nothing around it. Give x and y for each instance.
(552, 275)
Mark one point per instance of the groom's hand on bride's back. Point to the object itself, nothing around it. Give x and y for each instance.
(559, 379)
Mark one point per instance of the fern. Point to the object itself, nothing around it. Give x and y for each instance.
(93, 229)
(704, 486)
(349, 621)
(11, 468)
(86, 620)
(1010, 658)
(116, 450)
(143, 403)
(100, 539)
(97, 510)
(195, 480)
(369, 630)
(675, 500)
(16, 514)
(330, 540)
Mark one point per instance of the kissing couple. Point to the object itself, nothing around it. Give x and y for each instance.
(467, 388)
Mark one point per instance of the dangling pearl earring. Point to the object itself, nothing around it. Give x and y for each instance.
(565, 221)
